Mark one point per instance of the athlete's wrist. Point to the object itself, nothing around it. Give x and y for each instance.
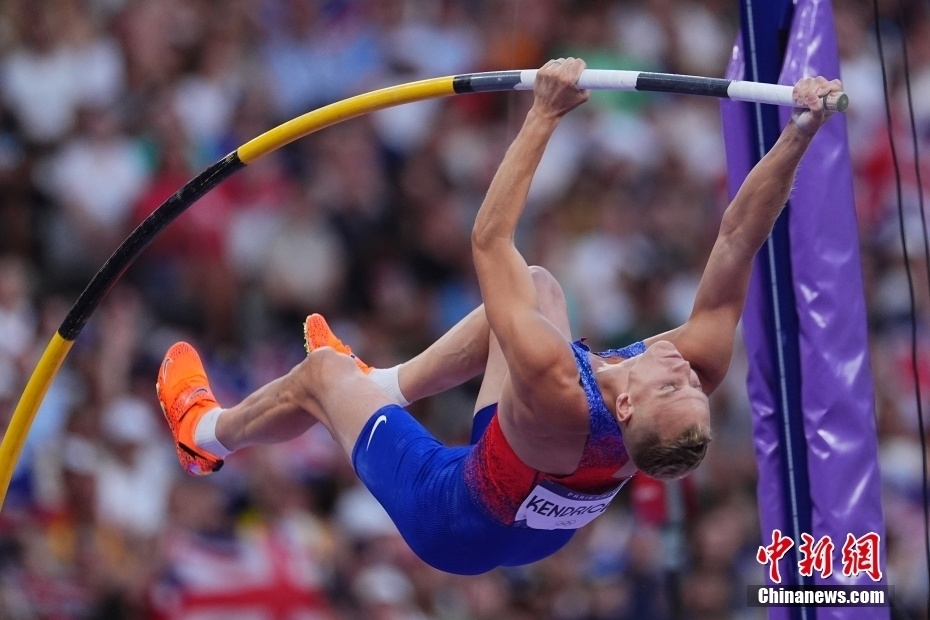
(543, 118)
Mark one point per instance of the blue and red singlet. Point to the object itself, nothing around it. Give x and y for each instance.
(470, 509)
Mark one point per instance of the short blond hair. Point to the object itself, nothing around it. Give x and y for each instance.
(669, 460)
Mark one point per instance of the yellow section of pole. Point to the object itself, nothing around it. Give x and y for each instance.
(51, 360)
(343, 110)
(25, 411)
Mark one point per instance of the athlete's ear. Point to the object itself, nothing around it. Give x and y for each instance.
(623, 408)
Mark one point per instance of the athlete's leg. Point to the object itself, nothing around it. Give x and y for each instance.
(326, 387)
(457, 356)
(553, 306)
(462, 353)
(469, 348)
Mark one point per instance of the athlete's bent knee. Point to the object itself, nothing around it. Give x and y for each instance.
(328, 361)
(324, 367)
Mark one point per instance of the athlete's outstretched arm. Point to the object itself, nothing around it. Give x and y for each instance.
(706, 339)
(530, 343)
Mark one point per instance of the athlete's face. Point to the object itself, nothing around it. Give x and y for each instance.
(664, 392)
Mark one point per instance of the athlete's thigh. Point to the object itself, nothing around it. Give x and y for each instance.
(495, 375)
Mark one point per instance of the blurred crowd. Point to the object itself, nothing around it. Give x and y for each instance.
(107, 107)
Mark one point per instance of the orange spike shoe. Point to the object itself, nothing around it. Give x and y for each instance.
(185, 397)
(318, 334)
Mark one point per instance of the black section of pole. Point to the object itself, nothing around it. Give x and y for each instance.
(491, 81)
(683, 84)
(140, 238)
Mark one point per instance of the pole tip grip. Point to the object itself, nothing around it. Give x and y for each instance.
(836, 102)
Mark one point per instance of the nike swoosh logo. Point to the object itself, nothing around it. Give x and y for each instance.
(381, 418)
(192, 397)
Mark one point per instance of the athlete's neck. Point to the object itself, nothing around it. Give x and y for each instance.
(612, 377)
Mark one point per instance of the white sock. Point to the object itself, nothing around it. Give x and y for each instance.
(389, 381)
(205, 434)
